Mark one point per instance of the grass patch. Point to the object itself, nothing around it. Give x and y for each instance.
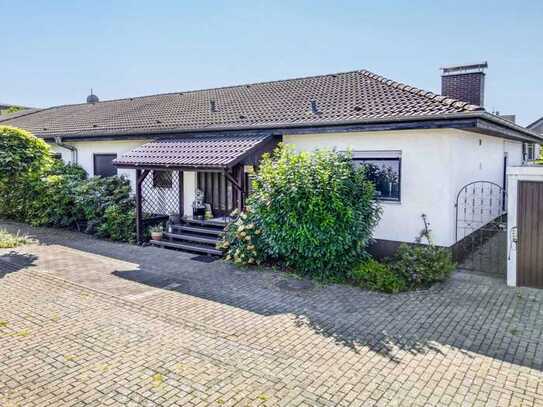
(8, 240)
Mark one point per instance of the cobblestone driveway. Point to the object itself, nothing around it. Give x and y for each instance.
(87, 322)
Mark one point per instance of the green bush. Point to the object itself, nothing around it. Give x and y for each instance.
(422, 265)
(377, 276)
(24, 158)
(118, 224)
(44, 192)
(22, 155)
(53, 201)
(316, 213)
(95, 195)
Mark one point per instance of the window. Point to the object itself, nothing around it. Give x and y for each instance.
(103, 165)
(56, 156)
(528, 151)
(385, 174)
(162, 179)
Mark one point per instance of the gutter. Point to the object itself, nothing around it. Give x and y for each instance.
(58, 142)
(526, 134)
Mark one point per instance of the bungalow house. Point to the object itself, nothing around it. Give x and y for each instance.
(423, 147)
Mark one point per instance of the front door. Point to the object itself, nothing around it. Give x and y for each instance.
(530, 234)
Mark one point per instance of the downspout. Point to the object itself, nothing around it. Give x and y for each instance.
(58, 142)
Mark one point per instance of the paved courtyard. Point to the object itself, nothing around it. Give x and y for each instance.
(85, 322)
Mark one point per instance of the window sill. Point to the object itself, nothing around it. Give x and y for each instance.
(389, 202)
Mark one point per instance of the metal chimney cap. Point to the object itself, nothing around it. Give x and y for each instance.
(468, 68)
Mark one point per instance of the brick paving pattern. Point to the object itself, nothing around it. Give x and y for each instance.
(85, 322)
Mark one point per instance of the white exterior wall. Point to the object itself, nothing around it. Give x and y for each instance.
(514, 175)
(476, 157)
(424, 175)
(435, 165)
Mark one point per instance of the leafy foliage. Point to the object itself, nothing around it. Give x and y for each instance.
(46, 192)
(315, 212)
(53, 201)
(422, 265)
(97, 194)
(377, 276)
(11, 109)
(22, 155)
(118, 224)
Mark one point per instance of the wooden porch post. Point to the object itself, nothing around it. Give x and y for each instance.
(140, 177)
(241, 183)
(180, 175)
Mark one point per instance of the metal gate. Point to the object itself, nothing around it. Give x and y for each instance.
(481, 228)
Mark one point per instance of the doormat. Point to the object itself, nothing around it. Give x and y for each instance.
(205, 259)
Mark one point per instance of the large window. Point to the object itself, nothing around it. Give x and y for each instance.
(385, 174)
(103, 165)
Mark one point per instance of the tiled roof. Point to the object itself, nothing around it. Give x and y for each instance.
(203, 151)
(356, 96)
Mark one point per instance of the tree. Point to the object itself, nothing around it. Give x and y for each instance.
(11, 109)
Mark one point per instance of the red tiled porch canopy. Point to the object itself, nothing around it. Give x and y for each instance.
(196, 152)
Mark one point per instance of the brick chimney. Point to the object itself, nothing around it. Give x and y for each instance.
(464, 82)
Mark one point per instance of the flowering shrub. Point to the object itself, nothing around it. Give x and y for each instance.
(242, 240)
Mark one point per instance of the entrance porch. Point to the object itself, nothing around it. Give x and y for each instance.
(168, 174)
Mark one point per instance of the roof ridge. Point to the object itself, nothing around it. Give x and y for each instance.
(241, 85)
(444, 100)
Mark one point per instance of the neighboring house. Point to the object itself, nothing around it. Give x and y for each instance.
(534, 152)
(424, 147)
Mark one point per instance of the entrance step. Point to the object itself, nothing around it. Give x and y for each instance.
(187, 246)
(192, 238)
(194, 229)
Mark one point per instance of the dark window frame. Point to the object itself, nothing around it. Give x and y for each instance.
(56, 156)
(96, 155)
(162, 179)
(399, 160)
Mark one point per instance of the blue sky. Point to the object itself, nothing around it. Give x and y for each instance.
(54, 52)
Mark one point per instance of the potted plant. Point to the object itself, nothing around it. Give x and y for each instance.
(156, 232)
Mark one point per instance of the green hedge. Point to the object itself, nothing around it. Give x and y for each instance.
(45, 192)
